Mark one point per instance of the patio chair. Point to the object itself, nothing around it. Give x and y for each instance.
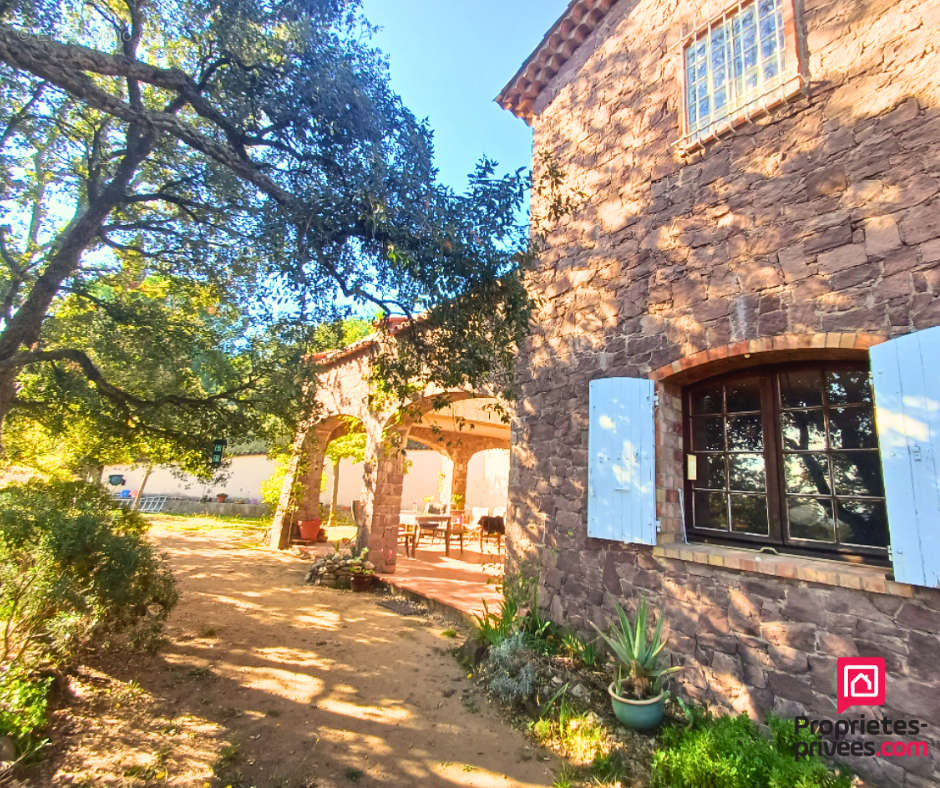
(492, 527)
(458, 528)
(408, 533)
(431, 530)
(476, 512)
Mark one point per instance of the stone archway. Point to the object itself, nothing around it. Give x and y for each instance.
(457, 423)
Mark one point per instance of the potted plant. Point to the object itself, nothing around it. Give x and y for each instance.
(637, 694)
(221, 497)
(361, 572)
(309, 529)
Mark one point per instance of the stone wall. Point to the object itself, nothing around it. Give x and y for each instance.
(214, 508)
(755, 643)
(815, 229)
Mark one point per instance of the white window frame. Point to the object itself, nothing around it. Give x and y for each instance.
(742, 104)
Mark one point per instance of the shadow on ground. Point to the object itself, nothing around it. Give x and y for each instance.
(268, 682)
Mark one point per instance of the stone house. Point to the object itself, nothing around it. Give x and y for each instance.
(730, 399)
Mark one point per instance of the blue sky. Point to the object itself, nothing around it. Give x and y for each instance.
(449, 59)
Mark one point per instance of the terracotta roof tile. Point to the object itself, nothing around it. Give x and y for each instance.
(572, 28)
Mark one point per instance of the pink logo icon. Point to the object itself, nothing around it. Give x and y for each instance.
(861, 682)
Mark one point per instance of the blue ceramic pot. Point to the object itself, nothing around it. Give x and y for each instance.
(638, 714)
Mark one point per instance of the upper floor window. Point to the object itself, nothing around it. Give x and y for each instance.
(788, 457)
(733, 65)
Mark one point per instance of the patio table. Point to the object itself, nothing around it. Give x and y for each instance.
(436, 521)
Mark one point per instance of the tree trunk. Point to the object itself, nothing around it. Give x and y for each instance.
(140, 490)
(25, 327)
(335, 495)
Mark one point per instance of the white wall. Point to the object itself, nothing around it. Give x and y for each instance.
(487, 479)
(422, 479)
(242, 479)
(428, 470)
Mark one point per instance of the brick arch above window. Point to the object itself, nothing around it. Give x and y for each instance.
(766, 350)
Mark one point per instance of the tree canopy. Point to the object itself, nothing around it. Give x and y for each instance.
(191, 188)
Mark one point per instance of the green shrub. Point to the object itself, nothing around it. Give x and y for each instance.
(519, 613)
(576, 734)
(508, 670)
(731, 752)
(576, 647)
(494, 628)
(73, 569)
(23, 705)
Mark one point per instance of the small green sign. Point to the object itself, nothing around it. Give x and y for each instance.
(218, 447)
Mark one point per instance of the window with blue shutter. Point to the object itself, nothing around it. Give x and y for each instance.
(907, 411)
(621, 460)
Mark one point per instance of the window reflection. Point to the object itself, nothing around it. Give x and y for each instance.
(852, 428)
(745, 433)
(862, 522)
(810, 518)
(803, 429)
(743, 395)
(711, 511)
(708, 434)
(746, 472)
(749, 514)
(807, 473)
(801, 389)
(847, 386)
(857, 473)
(816, 482)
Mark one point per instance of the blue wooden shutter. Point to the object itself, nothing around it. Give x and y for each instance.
(906, 379)
(621, 460)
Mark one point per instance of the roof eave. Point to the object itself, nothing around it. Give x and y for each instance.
(562, 40)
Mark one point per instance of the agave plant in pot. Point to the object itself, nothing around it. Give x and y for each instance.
(637, 694)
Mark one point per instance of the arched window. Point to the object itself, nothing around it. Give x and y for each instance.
(786, 456)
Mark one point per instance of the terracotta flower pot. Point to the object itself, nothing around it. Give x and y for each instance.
(309, 529)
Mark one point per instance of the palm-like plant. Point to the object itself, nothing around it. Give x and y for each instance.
(637, 655)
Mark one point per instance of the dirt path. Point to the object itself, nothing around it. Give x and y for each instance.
(268, 682)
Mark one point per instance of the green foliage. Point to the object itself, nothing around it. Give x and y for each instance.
(271, 487)
(241, 178)
(637, 652)
(508, 670)
(494, 628)
(542, 635)
(23, 704)
(74, 570)
(358, 563)
(519, 613)
(577, 648)
(579, 735)
(341, 333)
(352, 445)
(565, 776)
(179, 369)
(731, 752)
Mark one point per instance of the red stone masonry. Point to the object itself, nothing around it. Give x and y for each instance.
(811, 232)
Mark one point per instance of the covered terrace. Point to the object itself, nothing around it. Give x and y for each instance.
(456, 423)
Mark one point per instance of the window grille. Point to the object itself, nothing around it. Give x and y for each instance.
(738, 60)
